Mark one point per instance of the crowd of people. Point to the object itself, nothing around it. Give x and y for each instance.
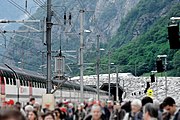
(145, 109)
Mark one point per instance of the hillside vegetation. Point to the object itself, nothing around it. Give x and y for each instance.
(145, 32)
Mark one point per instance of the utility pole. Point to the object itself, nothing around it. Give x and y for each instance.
(48, 38)
(81, 53)
(117, 85)
(42, 63)
(109, 83)
(97, 65)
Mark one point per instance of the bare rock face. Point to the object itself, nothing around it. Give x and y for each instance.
(102, 17)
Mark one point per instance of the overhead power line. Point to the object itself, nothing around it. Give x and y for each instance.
(20, 8)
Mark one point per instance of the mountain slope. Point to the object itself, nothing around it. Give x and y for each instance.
(146, 29)
(101, 17)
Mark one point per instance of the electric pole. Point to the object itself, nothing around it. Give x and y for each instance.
(48, 38)
(109, 82)
(117, 85)
(81, 53)
(97, 65)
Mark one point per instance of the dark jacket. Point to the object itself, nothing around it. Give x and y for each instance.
(118, 115)
(166, 116)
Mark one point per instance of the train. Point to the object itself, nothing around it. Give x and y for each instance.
(20, 85)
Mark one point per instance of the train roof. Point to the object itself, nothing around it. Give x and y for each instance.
(35, 76)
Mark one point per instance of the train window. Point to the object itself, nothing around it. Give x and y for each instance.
(39, 84)
(14, 81)
(32, 84)
(10, 81)
(24, 84)
(43, 85)
(35, 84)
(7, 80)
(21, 82)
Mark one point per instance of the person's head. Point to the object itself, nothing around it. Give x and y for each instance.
(126, 106)
(150, 111)
(136, 105)
(109, 104)
(156, 103)
(48, 116)
(32, 101)
(169, 105)
(37, 106)
(57, 113)
(103, 103)
(146, 100)
(11, 114)
(32, 115)
(28, 108)
(90, 101)
(96, 112)
(117, 106)
(18, 106)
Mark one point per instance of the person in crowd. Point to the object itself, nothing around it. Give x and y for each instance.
(28, 108)
(63, 112)
(135, 109)
(70, 112)
(126, 106)
(10, 102)
(32, 101)
(18, 106)
(48, 116)
(80, 113)
(144, 101)
(89, 106)
(173, 113)
(118, 113)
(32, 115)
(156, 104)
(37, 107)
(11, 114)
(95, 114)
(110, 105)
(57, 113)
(105, 110)
(150, 112)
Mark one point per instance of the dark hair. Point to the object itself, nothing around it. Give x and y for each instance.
(35, 113)
(168, 101)
(18, 106)
(31, 99)
(151, 109)
(127, 106)
(59, 111)
(47, 114)
(9, 113)
(146, 100)
(17, 103)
